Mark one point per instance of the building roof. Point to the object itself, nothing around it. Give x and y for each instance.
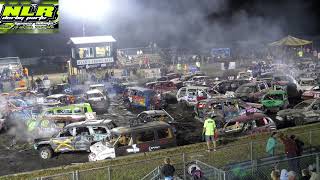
(92, 39)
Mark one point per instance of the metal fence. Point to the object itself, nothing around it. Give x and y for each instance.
(213, 163)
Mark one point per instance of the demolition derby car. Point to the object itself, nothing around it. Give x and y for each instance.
(130, 140)
(74, 137)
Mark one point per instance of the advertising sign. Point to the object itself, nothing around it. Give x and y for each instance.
(29, 16)
(220, 52)
(84, 62)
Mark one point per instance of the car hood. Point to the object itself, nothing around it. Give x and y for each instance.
(287, 112)
(272, 103)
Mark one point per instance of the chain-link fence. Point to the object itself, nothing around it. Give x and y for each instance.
(248, 159)
(262, 170)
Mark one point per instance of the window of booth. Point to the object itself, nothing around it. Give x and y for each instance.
(101, 51)
(85, 52)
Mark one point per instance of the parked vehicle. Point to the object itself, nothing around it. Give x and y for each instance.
(74, 137)
(252, 92)
(130, 140)
(100, 87)
(143, 98)
(189, 96)
(68, 114)
(152, 115)
(247, 124)
(307, 84)
(97, 100)
(275, 100)
(305, 112)
(245, 75)
(314, 92)
(229, 85)
(162, 86)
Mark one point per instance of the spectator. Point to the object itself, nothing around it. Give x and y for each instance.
(275, 175)
(271, 144)
(305, 174)
(284, 174)
(291, 151)
(314, 174)
(209, 130)
(299, 144)
(292, 175)
(167, 170)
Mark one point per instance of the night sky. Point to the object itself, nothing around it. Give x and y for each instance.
(187, 23)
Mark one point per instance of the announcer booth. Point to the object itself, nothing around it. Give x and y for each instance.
(93, 52)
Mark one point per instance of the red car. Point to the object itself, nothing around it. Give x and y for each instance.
(313, 93)
(162, 86)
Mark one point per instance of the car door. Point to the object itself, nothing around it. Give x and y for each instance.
(63, 142)
(126, 145)
(146, 140)
(164, 139)
(83, 139)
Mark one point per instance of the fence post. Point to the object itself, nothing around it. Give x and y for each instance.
(310, 138)
(251, 156)
(317, 163)
(109, 173)
(184, 166)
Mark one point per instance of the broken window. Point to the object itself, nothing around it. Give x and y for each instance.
(77, 110)
(99, 130)
(65, 134)
(164, 133)
(82, 131)
(145, 136)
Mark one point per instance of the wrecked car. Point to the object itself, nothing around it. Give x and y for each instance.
(245, 75)
(130, 140)
(67, 114)
(305, 112)
(252, 92)
(143, 98)
(229, 85)
(247, 124)
(189, 96)
(275, 100)
(74, 137)
(307, 84)
(314, 92)
(97, 100)
(162, 86)
(58, 100)
(152, 115)
(101, 87)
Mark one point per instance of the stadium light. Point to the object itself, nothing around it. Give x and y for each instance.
(87, 10)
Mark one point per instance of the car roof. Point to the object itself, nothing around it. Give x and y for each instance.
(149, 125)
(139, 88)
(154, 112)
(246, 118)
(196, 87)
(307, 79)
(89, 123)
(97, 85)
(93, 91)
(56, 96)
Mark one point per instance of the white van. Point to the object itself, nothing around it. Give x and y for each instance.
(189, 96)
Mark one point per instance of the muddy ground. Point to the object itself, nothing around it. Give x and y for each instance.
(18, 156)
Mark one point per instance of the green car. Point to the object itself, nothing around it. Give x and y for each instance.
(68, 114)
(275, 100)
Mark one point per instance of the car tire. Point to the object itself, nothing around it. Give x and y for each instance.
(298, 121)
(45, 152)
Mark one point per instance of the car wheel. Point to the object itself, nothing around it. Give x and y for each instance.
(298, 121)
(45, 152)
